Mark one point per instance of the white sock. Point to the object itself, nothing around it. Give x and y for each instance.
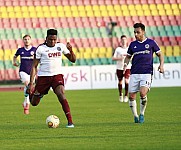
(143, 103)
(26, 100)
(132, 105)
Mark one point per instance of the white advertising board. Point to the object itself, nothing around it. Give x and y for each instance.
(104, 76)
(171, 76)
(78, 77)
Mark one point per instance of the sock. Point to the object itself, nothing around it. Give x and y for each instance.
(120, 89)
(132, 105)
(26, 100)
(143, 103)
(126, 89)
(66, 110)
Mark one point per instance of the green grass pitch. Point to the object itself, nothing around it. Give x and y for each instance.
(101, 122)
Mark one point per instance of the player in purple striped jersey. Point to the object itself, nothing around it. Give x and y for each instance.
(26, 54)
(141, 50)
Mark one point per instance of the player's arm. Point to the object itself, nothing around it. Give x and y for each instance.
(33, 72)
(71, 56)
(15, 61)
(161, 59)
(126, 62)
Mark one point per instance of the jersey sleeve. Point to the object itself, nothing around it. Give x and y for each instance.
(130, 50)
(38, 53)
(156, 48)
(17, 52)
(64, 48)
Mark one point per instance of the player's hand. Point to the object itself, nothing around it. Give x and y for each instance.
(161, 69)
(69, 46)
(15, 64)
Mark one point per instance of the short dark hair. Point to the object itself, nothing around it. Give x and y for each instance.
(27, 35)
(123, 36)
(51, 32)
(139, 25)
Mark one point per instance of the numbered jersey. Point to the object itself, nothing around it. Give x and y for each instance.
(50, 59)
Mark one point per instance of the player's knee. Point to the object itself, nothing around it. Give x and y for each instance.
(126, 81)
(132, 97)
(142, 94)
(35, 100)
(33, 103)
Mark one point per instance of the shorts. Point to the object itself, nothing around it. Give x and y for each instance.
(24, 77)
(139, 80)
(120, 74)
(44, 83)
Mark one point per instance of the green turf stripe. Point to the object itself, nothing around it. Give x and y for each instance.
(152, 31)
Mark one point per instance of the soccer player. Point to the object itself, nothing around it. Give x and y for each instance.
(26, 54)
(50, 73)
(141, 50)
(119, 56)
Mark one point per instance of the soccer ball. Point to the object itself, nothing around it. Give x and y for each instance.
(52, 121)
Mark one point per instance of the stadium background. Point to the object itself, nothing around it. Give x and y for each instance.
(88, 24)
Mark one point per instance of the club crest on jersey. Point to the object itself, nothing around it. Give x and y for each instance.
(147, 46)
(32, 52)
(58, 48)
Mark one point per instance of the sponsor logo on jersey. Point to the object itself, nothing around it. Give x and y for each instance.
(135, 47)
(142, 52)
(57, 54)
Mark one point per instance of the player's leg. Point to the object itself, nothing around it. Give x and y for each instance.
(35, 98)
(58, 87)
(41, 88)
(119, 74)
(133, 88)
(133, 106)
(144, 89)
(24, 77)
(126, 77)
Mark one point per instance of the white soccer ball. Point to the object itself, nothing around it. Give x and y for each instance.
(52, 121)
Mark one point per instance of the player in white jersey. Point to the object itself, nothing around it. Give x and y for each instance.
(50, 74)
(141, 50)
(119, 56)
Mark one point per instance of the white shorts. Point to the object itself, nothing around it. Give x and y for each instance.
(139, 80)
(24, 77)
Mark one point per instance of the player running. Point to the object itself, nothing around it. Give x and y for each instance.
(50, 73)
